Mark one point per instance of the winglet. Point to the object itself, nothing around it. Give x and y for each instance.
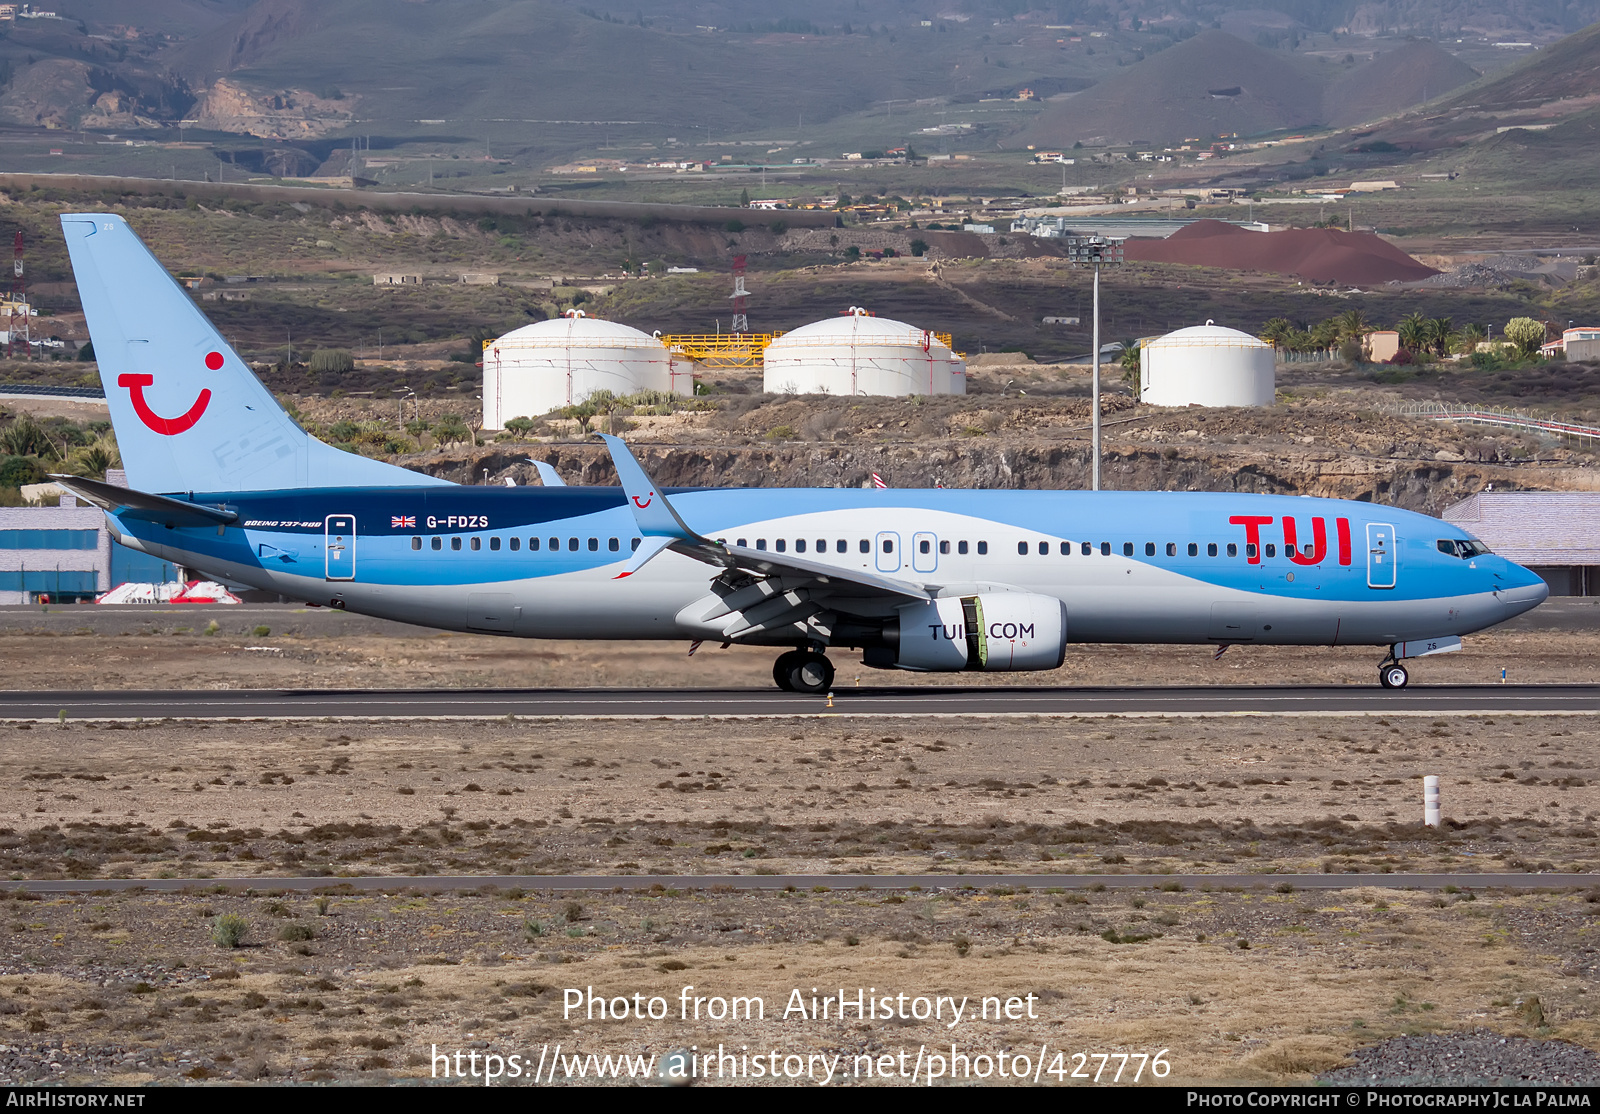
(656, 517)
(648, 549)
(548, 475)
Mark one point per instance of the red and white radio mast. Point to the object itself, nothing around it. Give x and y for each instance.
(741, 322)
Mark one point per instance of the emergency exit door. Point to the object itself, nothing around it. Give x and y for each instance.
(340, 531)
(1380, 555)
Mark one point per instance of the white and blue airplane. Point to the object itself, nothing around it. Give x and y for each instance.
(223, 481)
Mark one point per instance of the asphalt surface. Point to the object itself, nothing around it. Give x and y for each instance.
(1283, 700)
(1283, 883)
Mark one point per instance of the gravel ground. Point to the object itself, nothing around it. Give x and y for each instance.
(1476, 1059)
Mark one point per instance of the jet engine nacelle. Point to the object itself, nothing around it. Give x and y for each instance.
(994, 632)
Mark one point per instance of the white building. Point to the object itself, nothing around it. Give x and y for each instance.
(858, 354)
(1207, 365)
(550, 364)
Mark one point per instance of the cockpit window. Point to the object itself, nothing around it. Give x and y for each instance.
(1462, 548)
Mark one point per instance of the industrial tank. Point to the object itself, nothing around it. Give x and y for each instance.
(858, 354)
(1207, 365)
(550, 364)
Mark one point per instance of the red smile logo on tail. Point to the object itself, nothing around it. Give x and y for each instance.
(168, 427)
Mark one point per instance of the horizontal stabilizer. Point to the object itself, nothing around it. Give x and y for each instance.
(141, 504)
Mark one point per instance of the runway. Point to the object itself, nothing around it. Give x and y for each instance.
(886, 702)
(1280, 883)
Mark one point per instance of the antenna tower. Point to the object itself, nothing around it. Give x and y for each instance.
(741, 322)
(19, 295)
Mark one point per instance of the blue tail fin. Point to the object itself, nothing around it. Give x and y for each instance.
(189, 414)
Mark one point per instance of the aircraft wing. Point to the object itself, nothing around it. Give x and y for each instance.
(775, 590)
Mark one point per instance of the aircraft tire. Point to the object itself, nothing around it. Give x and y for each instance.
(811, 673)
(1393, 676)
(784, 668)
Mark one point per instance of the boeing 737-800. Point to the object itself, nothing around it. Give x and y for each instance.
(222, 480)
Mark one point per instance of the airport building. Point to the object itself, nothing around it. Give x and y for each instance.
(62, 553)
(1553, 533)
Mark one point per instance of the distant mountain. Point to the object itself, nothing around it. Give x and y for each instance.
(1209, 86)
(1394, 81)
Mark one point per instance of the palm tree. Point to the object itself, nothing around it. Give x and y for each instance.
(1415, 332)
(1353, 326)
(1325, 334)
(1275, 332)
(1468, 339)
(1441, 334)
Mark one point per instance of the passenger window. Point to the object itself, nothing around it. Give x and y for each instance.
(416, 543)
(1288, 549)
(961, 548)
(436, 543)
(888, 545)
(555, 544)
(1233, 550)
(533, 545)
(1022, 547)
(742, 543)
(1250, 550)
(1149, 549)
(613, 545)
(1066, 549)
(633, 545)
(799, 545)
(1272, 550)
(572, 545)
(514, 543)
(1044, 549)
(455, 543)
(983, 549)
(840, 546)
(1087, 549)
(781, 545)
(866, 546)
(1105, 549)
(761, 544)
(1194, 550)
(494, 544)
(944, 547)
(925, 546)
(477, 543)
(1172, 549)
(1127, 549)
(594, 545)
(1211, 549)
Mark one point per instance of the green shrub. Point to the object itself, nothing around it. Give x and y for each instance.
(229, 930)
(294, 933)
(262, 632)
(332, 361)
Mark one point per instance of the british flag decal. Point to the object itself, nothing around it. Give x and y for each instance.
(403, 522)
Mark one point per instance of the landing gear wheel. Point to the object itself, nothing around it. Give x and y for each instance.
(783, 669)
(813, 673)
(1393, 676)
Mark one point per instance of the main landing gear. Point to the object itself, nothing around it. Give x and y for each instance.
(803, 671)
(1393, 675)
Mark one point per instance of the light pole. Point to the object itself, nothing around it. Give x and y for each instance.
(1096, 251)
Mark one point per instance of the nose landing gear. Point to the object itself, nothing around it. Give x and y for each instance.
(1393, 675)
(803, 671)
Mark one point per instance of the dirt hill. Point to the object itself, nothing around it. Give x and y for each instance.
(1211, 85)
(1391, 82)
(1315, 254)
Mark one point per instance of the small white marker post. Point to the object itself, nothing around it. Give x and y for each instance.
(1430, 801)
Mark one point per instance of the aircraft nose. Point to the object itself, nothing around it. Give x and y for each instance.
(1524, 589)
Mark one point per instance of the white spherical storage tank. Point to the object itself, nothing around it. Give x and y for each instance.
(1207, 365)
(858, 354)
(550, 364)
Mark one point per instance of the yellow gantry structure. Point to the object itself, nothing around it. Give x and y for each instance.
(731, 350)
(737, 350)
